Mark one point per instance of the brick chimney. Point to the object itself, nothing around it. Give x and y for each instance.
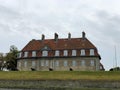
(43, 37)
(56, 37)
(69, 36)
(83, 35)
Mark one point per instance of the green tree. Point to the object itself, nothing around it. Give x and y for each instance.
(11, 58)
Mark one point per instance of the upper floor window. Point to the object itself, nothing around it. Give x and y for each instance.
(57, 53)
(65, 52)
(83, 63)
(44, 53)
(33, 53)
(82, 52)
(73, 52)
(92, 63)
(73, 63)
(65, 63)
(25, 54)
(92, 52)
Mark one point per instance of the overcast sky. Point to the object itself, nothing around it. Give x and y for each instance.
(23, 20)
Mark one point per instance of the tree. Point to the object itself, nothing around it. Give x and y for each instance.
(11, 58)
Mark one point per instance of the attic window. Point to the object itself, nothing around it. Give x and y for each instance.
(73, 52)
(25, 54)
(20, 55)
(92, 52)
(57, 53)
(65, 52)
(33, 53)
(44, 53)
(82, 52)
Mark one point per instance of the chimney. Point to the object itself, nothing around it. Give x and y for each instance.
(43, 37)
(83, 34)
(56, 37)
(69, 36)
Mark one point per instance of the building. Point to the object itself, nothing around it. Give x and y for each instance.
(58, 54)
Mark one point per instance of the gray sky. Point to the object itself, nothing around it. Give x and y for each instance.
(23, 20)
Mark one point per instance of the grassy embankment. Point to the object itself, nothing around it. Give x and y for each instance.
(60, 75)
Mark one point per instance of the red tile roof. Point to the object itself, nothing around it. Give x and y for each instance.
(60, 44)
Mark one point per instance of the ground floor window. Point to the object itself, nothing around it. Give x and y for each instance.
(65, 63)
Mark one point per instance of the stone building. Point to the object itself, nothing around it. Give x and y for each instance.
(59, 54)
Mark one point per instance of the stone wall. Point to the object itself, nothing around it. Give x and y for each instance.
(45, 64)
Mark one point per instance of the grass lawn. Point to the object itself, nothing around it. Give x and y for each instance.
(59, 75)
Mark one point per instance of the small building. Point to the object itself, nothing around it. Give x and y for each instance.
(59, 54)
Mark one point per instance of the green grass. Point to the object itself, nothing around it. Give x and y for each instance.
(59, 75)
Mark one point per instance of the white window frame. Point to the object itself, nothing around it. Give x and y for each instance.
(25, 54)
(74, 63)
(92, 63)
(57, 53)
(74, 52)
(65, 53)
(47, 63)
(92, 52)
(20, 54)
(42, 63)
(65, 63)
(82, 52)
(57, 63)
(33, 63)
(44, 53)
(33, 53)
(25, 64)
(83, 63)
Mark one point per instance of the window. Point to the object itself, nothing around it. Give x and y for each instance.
(33, 53)
(91, 52)
(92, 63)
(73, 52)
(65, 53)
(25, 54)
(42, 63)
(73, 63)
(82, 52)
(20, 55)
(65, 63)
(25, 64)
(57, 63)
(57, 53)
(47, 62)
(33, 63)
(44, 53)
(19, 64)
(83, 63)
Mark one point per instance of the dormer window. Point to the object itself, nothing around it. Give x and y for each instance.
(92, 52)
(65, 52)
(82, 52)
(25, 54)
(73, 52)
(57, 53)
(45, 53)
(33, 53)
